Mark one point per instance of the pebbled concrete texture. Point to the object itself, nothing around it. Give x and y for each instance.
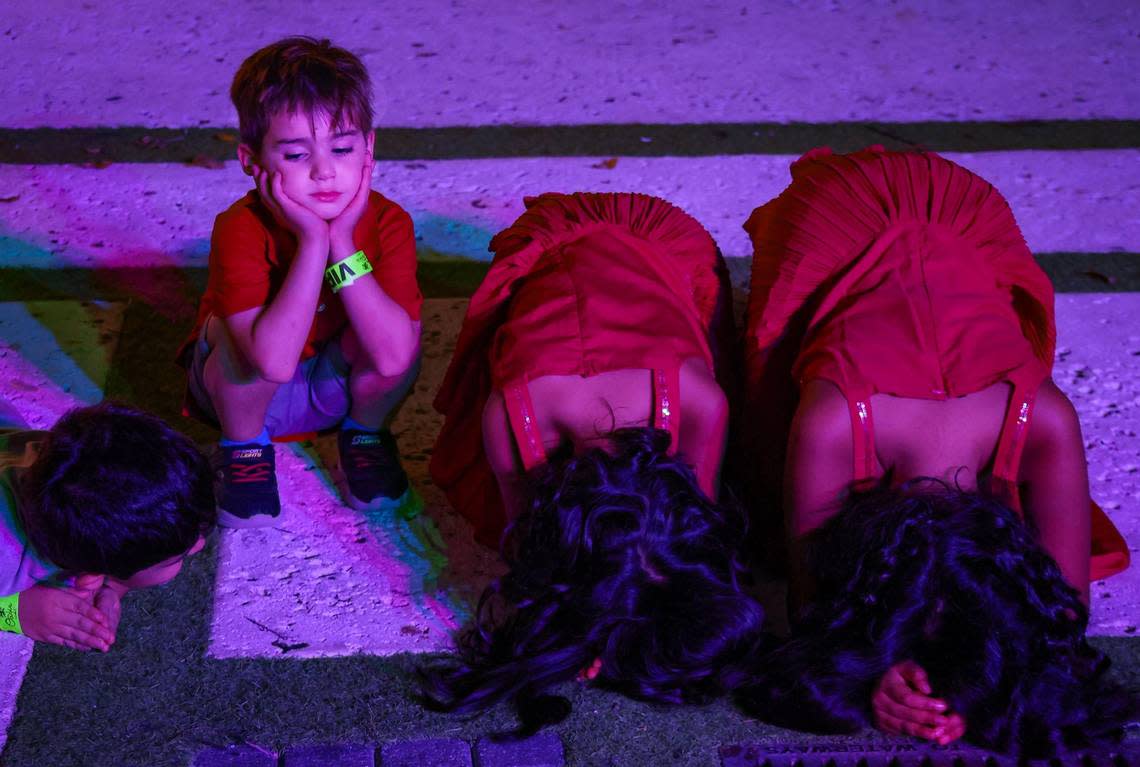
(328, 580)
(477, 63)
(1098, 367)
(162, 215)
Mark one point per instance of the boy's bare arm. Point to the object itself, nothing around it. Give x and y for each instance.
(271, 337)
(388, 336)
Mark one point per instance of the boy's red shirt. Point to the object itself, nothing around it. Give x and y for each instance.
(250, 254)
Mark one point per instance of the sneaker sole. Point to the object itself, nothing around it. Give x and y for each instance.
(408, 505)
(225, 519)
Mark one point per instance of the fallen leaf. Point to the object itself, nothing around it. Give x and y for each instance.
(98, 164)
(1107, 279)
(226, 138)
(609, 164)
(288, 646)
(205, 161)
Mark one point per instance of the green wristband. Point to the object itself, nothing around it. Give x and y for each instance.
(344, 273)
(10, 613)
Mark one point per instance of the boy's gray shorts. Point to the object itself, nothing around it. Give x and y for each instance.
(317, 397)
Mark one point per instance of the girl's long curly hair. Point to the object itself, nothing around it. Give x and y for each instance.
(619, 558)
(955, 582)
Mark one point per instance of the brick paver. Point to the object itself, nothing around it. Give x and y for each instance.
(449, 752)
(337, 755)
(541, 750)
(234, 756)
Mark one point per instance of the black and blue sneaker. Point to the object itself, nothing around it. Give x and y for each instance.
(370, 477)
(245, 485)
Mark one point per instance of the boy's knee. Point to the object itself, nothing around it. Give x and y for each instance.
(387, 377)
(225, 369)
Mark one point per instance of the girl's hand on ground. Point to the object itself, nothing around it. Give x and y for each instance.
(903, 704)
(342, 227)
(292, 215)
(64, 616)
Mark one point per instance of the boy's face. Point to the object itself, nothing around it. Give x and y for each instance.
(164, 571)
(320, 167)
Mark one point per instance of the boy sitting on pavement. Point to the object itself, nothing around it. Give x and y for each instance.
(110, 499)
(310, 319)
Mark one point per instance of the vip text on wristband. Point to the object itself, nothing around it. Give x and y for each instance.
(344, 273)
(10, 613)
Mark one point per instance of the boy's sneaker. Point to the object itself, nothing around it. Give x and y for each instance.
(370, 476)
(245, 485)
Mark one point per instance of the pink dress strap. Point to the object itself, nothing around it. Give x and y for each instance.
(865, 465)
(667, 403)
(1011, 440)
(524, 424)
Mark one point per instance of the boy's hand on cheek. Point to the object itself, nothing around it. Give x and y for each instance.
(298, 219)
(64, 616)
(342, 227)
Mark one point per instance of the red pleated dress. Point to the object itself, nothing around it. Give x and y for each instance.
(898, 273)
(580, 284)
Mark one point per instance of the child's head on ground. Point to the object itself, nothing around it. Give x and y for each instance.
(305, 112)
(619, 563)
(118, 492)
(955, 582)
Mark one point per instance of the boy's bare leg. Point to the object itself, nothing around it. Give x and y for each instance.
(374, 396)
(369, 472)
(239, 396)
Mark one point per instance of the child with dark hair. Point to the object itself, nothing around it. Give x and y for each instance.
(952, 583)
(110, 499)
(620, 571)
(310, 319)
(595, 340)
(898, 325)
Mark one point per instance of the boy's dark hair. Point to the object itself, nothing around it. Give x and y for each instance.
(114, 491)
(955, 582)
(619, 557)
(301, 74)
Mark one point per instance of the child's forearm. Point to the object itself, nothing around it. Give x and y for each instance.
(278, 334)
(388, 336)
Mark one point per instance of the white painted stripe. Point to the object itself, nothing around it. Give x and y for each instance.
(1098, 366)
(341, 583)
(327, 580)
(436, 62)
(161, 215)
(15, 652)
